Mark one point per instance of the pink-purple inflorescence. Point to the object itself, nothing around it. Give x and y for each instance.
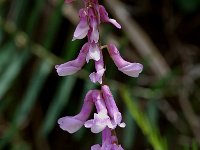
(107, 116)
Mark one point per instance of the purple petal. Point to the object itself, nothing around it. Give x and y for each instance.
(73, 66)
(108, 141)
(99, 65)
(117, 116)
(66, 69)
(104, 17)
(95, 33)
(94, 52)
(83, 27)
(89, 123)
(115, 23)
(113, 111)
(128, 68)
(116, 147)
(99, 122)
(97, 77)
(96, 147)
(93, 77)
(70, 124)
(132, 69)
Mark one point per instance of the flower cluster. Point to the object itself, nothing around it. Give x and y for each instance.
(107, 116)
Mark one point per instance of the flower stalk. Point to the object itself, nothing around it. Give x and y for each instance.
(107, 116)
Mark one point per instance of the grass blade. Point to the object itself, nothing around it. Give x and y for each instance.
(32, 91)
(59, 102)
(157, 142)
(5, 53)
(28, 101)
(129, 131)
(12, 72)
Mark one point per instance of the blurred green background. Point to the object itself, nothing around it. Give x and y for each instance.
(161, 108)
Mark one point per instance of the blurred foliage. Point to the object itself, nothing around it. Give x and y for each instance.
(160, 112)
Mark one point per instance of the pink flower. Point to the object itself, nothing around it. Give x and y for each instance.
(88, 25)
(104, 17)
(99, 65)
(73, 66)
(93, 53)
(128, 68)
(113, 111)
(93, 19)
(83, 27)
(74, 123)
(108, 142)
(101, 119)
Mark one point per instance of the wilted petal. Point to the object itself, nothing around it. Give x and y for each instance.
(94, 52)
(128, 68)
(83, 27)
(104, 17)
(73, 66)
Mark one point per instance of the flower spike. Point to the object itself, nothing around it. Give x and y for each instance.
(108, 116)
